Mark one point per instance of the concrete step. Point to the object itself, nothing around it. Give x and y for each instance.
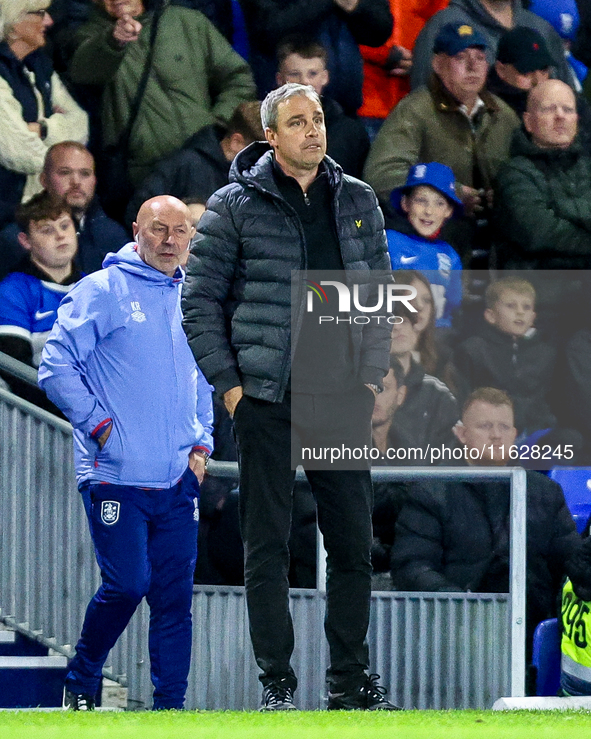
(32, 681)
(13, 644)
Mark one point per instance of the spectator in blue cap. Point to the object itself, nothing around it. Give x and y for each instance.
(455, 121)
(423, 205)
(491, 18)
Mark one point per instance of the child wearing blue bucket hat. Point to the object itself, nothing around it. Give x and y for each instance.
(423, 204)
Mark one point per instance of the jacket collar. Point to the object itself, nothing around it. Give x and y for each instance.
(253, 167)
(447, 103)
(27, 267)
(522, 145)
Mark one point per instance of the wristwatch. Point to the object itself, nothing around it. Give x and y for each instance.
(204, 454)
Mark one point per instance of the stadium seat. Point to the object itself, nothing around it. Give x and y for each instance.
(546, 657)
(576, 484)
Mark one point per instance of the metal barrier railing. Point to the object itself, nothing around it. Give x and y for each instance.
(436, 649)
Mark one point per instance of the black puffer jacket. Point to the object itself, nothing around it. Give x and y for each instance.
(543, 207)
(454, 536)
(237, 295)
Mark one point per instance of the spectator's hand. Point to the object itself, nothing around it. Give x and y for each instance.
(347, 5)
(197, 464)
(102, 439)
(126, 30)
(399, 62)
(232, 398)
(35, 128)
(472, 199)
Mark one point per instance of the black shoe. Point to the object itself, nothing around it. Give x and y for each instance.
(366, 697)
(77, 701)
(277, 696)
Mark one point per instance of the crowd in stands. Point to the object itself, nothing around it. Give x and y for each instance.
(469, 118)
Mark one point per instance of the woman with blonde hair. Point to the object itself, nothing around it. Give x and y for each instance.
(37, 110)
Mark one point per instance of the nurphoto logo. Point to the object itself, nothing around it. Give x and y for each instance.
(384, 299)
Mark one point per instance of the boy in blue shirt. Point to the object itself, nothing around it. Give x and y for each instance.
(423, 205)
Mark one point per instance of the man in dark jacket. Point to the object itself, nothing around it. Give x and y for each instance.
(289, 207)
(543, 193)
(68, 174)
(340, 25)
(523, 61)
(454, 536)
(202, 166)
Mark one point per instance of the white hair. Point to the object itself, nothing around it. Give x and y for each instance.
(13, 11)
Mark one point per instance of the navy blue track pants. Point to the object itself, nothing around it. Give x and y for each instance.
(146, 545)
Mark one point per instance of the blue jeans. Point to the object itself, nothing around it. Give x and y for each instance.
(146, 545)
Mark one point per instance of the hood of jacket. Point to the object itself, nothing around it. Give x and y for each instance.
(129, 260)
(474, 9)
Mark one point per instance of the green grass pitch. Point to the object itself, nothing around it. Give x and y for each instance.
(297, 725)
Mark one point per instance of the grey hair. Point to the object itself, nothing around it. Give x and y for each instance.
(270, 104)
(13, 11)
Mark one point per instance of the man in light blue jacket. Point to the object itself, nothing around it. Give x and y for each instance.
(117, 363)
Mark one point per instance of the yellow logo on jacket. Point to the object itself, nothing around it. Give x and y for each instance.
(465, 31)
(359, 223)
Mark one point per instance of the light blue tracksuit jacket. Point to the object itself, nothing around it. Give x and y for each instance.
(118, 351)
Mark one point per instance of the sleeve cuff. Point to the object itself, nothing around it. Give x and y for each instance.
(226, 380)
(372, 376)
(202, 449)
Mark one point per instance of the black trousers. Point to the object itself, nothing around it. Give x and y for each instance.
(344, 500)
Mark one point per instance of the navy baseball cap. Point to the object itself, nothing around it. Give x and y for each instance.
(455, 37)
(525, 49)
(434, 174)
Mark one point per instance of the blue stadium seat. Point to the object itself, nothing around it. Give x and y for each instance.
(546, 657)
(576, 484)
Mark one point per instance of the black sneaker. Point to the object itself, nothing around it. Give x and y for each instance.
(277, 696)
(77, 701)
(366, 697)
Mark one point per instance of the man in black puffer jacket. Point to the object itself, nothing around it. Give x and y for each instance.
(289, 207)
